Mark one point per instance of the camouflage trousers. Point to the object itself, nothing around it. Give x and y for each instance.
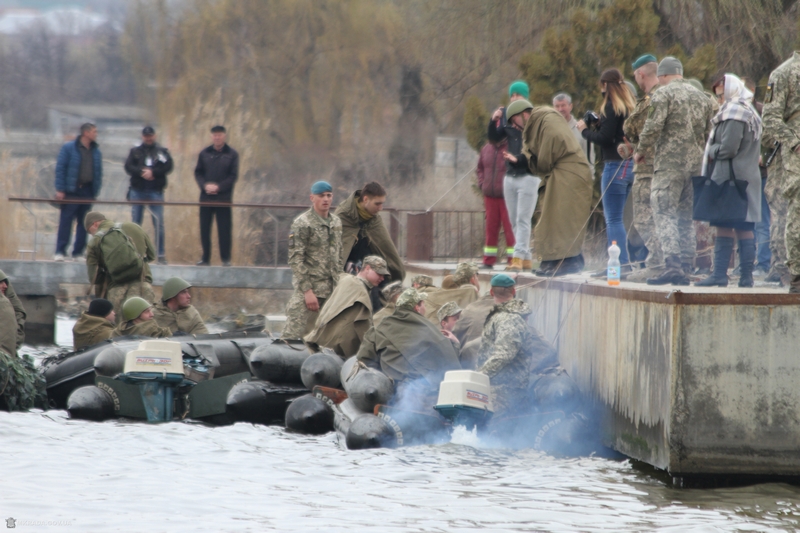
(299, 319)
(671, 202)
(643, 219)
(118, 294)
(790, 188)
(508, 398)
(778, 206)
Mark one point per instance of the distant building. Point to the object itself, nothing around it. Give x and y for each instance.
(66, 119)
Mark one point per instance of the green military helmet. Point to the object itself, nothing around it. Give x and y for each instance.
(516, 107)
(133, 307)
(172, 287)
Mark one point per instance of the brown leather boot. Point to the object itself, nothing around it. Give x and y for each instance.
(527, 265)
(515, 265)
(794, 285)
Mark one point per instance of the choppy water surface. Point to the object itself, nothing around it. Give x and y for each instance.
(67, 475)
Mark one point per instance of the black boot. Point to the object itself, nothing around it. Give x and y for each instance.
(723, 246)
(747, 256)
(672, 275)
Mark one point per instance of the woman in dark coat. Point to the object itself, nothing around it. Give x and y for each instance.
(734, 146)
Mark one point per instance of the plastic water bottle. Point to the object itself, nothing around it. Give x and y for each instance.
(613, 263)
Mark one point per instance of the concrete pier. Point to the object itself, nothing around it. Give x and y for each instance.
(695, 381)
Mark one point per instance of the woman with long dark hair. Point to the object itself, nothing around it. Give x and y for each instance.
(732, 151)
(617, 180)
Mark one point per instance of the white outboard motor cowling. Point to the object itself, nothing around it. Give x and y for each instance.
(465, 398)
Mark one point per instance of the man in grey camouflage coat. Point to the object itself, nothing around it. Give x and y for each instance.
(781, 118)
(676, 130)
(315, 255)
(644, 73)
(511, 351)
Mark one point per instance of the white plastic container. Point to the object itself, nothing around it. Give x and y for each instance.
(613, 264)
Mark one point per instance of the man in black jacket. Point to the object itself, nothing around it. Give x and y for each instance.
(148, 165)
(216, 173)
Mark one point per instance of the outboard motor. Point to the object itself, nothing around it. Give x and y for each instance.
(465, 398)
(157, 368)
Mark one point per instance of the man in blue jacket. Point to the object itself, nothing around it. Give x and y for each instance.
(79, 176)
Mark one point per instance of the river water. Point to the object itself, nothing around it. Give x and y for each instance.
(68, 475)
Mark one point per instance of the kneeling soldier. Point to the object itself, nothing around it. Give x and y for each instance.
(175, 310)
(137, 319)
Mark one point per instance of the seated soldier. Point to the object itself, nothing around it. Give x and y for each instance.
(423, 283)
(464, 292)
(175, 310)
(511, 351)
(137, 319)
(389, 294)
(448, 315)
(347, 314)
(95, 325)
(19, 311)
(412, 351)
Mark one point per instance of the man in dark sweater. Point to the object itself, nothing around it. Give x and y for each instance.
(148, 165)
(216, 173)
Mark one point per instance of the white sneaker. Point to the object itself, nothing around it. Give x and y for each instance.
(59, 258)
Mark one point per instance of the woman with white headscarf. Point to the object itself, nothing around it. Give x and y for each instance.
(734, 146)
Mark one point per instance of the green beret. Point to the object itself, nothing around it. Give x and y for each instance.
(503, 280)
(645, 59)
(321, 187)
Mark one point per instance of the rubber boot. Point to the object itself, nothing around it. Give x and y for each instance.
(672, 275)
(794, 285)
(527, 265)
(747, 256)
(723, 246)
(515, 265)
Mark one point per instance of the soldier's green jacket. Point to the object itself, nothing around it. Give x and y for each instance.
(94, 260)
(89, 330)
(470, 326)
(345, 318)
(380, 242)
(781, 118)
(148, 328)
(633, 127)
(19, 313)
(463, 296)
(315, 251)
(387, 310)
(187, 320)
(512, 352)
(406, 346)
(677, 127)
(8, 327)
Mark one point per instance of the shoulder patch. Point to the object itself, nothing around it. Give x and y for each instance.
(768, 95)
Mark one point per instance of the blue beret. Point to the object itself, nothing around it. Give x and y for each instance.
(321, 187)
(645, 59)
(503, 280)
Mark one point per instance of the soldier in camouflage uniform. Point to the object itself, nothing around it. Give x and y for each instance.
(677, 126)
(511, 350)
(423, 283)
(645, 75)
(781, 118)
(315, 250)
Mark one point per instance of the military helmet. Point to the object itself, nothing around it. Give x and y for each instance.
(172, 287)
(516, 107)
(133, 307)
(3, 276)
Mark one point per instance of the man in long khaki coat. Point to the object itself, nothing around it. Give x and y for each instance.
(363, 231)
(565, 194)
(175, 310)
(347, 315)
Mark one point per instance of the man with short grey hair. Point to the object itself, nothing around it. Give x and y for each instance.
(562, 102)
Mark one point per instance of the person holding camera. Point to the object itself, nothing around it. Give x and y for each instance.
(520, 187)
(617, 177)
(732, 151)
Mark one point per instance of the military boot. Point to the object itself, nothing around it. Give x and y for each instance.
(672, 275)
(794, 286)
(527, 265)
(747, 256)
(515, 265)
(723, 246)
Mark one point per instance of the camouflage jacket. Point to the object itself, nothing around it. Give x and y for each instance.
(511, 350)
(677, 126)
(315, 252)
(781, 115)
(633, 127)
(187, 320)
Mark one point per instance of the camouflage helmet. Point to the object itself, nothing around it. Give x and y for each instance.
(3, 276)
(516, 107)
(172, 287)
(133, 307)
(391, 290)
(409, 298)
(378, 264)
(464, 273)
(422, 280)
(447, 310)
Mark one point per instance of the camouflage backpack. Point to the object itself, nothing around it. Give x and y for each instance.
(121, 260)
